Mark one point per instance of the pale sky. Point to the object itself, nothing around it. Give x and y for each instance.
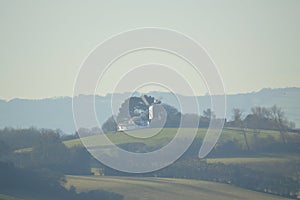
(255, 44)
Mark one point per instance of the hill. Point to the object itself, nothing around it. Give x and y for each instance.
(164, 188)
(56, 113)
(230, 162)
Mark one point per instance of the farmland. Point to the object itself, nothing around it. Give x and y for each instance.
(133, 188)
(164, 136)
(229, 167)
(164, 188)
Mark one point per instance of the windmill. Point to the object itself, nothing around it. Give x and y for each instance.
(144, 118)
(150, 108)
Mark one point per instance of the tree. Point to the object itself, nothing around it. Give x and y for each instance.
(207, 115)
(79, 161)
(258, 119)
(136, 110)
(280, 121)
(110, 125)
(135, 107)
(237, 116)
(53, 155)
(173, 116)
(239, 123)
(268, 118)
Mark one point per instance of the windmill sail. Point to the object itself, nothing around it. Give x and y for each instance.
(151, 112)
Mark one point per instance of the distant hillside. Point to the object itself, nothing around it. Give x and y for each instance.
(56, 113)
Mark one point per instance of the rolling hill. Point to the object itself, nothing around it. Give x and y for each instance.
(137, 188)
(56, 113)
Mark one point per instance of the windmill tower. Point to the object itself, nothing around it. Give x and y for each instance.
(150, 107)
(141, 120)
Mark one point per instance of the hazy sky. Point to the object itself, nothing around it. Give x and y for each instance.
(255, 44)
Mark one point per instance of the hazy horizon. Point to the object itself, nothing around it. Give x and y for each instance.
(254, 44)
(192, 99)
(54, 97)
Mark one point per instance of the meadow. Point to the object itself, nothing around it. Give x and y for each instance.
(133, 188)
(227, 170)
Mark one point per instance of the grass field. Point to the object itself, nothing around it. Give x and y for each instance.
(162, 137)
(135, 188)
(162, 188)
(264, 158)
(165, 135)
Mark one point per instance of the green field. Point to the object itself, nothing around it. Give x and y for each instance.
(135, 188)
(264, 158)
(166, 135)
(166, 188)
(161, 138)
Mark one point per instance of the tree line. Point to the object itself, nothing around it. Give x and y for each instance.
(35, 161)
(259, 118)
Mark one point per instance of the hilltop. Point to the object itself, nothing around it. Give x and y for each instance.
(56, 113)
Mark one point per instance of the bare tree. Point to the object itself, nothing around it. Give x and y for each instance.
(260, 119)
(209, 114)
(280, 121)
(238, 122)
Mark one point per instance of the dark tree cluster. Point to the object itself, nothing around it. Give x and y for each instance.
(44, 183)
(135, 107)
(39, 170)
(42, 149)
(262, 118)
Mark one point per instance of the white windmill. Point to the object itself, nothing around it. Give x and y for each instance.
(132, 124)
(151, 107)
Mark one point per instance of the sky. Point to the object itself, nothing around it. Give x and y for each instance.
(254, 43)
